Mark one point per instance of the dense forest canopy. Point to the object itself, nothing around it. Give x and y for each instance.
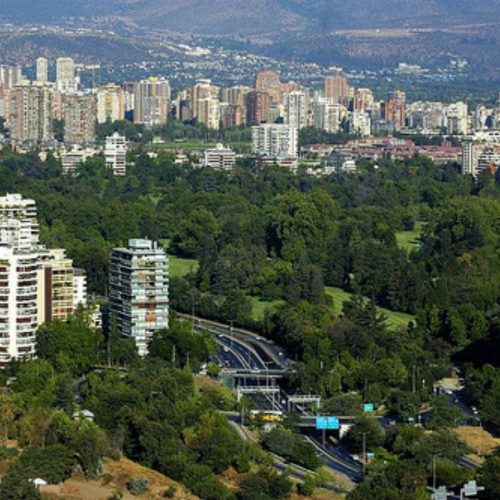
(270, 235)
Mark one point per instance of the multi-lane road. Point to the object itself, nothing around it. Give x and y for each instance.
(245, 350)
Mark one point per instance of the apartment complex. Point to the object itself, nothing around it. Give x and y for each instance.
(481, 153)
(275, 140)
(36, 284)
(138, 291)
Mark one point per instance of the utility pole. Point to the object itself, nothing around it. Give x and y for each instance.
(414, 379)
(364, 453)
(434, 473)
(173, 354)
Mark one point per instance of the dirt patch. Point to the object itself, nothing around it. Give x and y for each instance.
(116, 475)
(481, 442)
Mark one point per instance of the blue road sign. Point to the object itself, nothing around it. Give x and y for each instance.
(327, 423)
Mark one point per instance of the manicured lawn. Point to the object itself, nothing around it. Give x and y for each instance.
(260, 306)
(180, 267)
(394, 319)
(410, 240)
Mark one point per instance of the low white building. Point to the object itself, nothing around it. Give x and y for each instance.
(220, 158)
(74, 158)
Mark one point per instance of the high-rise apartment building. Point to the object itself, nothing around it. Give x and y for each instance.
(394, 109)
(138, 291)
(328, 114)
(258, 104)
(65, 75)
(336, 88)
(110, 103)
(79, 112)
(269, 82)
(152, 102)
(10, 76)
(42, 70)
(201, 91)
(275, 140)
(115, 153)
(19, 263)
(297, 109)
(208, 112)
(30, 113)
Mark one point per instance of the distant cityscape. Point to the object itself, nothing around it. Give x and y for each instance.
(63, 115)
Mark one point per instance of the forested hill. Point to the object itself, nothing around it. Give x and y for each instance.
(245, 17)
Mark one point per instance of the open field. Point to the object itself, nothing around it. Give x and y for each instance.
(394, 319)
(410, 240)
(260, 306)
(180, 267)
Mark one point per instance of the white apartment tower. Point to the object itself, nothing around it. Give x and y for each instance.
(19, 264)
(297, 109)
(116, 153)
(110, 103)
(65, 74)
(275, 140)
(138, 291)
(42, 70)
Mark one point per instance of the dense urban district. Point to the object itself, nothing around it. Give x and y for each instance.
(246, 293)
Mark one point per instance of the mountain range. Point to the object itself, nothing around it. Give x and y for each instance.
(254, 17)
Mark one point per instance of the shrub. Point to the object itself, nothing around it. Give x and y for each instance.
(138, 486)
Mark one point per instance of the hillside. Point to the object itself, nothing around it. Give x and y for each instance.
(247, 17)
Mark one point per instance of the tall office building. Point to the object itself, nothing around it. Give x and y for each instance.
(275, 140)
(115, 153)
(152, 102)
(19, 263)
(30, 113)
(336, 88)
(138, 291)
(110, 103)
(79, 113)
(297, 109)
(42, 70)
(65, 74)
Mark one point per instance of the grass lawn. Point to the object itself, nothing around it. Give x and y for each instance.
(394, 319)
(180, 267)
(410, 240)
(259, 307)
